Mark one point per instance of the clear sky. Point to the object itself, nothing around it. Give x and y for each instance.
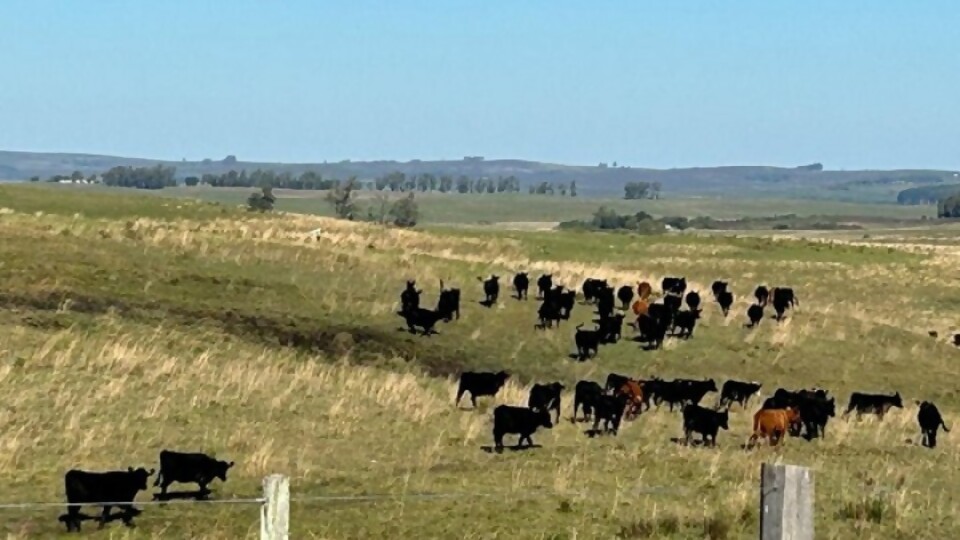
(665, 83)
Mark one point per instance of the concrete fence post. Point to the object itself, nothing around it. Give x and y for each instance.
(275, 512)
(786, 502)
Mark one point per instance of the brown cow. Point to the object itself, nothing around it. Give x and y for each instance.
(644, 290)
(773, 424)
(640, 307)
(634, 393)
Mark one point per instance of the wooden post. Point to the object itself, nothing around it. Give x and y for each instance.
(275, 512)
(786, 502)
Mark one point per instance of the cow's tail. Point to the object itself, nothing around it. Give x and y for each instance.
(159, 478)
(944, 424)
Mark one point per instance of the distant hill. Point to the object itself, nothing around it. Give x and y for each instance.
(596, 180)
(927, 194)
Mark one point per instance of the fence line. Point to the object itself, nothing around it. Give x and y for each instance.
(124, 503)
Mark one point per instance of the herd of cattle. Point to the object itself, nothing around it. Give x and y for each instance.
(797, 413)
(654, 320)
(119, 488)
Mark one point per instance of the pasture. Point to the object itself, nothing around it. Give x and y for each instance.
(131, 324)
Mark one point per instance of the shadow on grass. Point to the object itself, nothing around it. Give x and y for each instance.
(494, 450)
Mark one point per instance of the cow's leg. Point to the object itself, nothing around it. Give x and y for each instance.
(73, 518)
(498, 440)
(104, 517)
(128, 514)
(473, 399)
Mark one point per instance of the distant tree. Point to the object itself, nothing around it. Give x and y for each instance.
(812, 167)
(636, 190)
(262, 201)
(532, 189)
(191, 181)
(655, 190)
(344, 207)
(614, 163)
(573, 188)
(379, 209)
(76, 176)
(230, 160)
(602, 165)
(92, 179)
(405, 212)
(446, 184)
(34, 178)
(464, 185)
(563, 190)
(491, 186)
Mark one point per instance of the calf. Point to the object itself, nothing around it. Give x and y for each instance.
(410, 297)
(567, 300)
(725, 299)
(640, 307)
(674, 285)
(544, 284)
(611, 328)
(633, 391)
(718, 287)
(625, 295)
(587, 341)
(761, 294)
(491, 289)
(706, 422)
(181, 467)
(610, 410)
(592, 288)
(693, 300)
(545, 397)
(755, 314)
(585, 395)
(97, 488)
(521, 421)
(686, 321)
(773, 424)
(877, 404)
(783, 299)
(606, 302)
(448, 305)
(930, 421)
(521, 282)
(644, 290)
(738, 392)
(549, 312)
(480, 384)
(422, 318)
(672, 303)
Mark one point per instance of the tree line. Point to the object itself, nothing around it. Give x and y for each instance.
(157, 177)
(642, 190)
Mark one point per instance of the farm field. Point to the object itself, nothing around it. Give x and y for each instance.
(133, 323)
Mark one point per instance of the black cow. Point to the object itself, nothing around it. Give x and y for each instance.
(96, 488)
(653, 330)
(877, 404)
(410, 297)
(660, 312)
(611, 328)
(686, 321)
(567, 300)
(956, 340)
(672, 303)
(587, 341)
(693, 300)
(706, 422)
(815, 411)
(625, 295)
(718, 287)
(609, 409)
(674, 285)
(491, 290)
(521, 283)
(448, 305)
(738, 392)
(422, 318)
(682, 391)
(181, 467)
(762, 294)
(585, 395)
(615, 381)
(606, 301)
(545, 397)
(549, 312)
(544, 284)
(755, 314)
(518, 420)
(930, 421)
(592, 288)
(480, 384)
(783, 299)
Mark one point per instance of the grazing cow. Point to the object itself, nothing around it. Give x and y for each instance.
(773, 424)
(181, 467)
(686, 321)
(682, 391)
(606, 301)
(738, 392)
(410, 297)
(96, 488)
(448, 305)
(625, 295)
(611, 328)
(549, 312)
(725, 299)
(640, 307)
(933, 333)
(423, 318)
(930, 421)
(615, 381)
(673, 285)
(544, 284)
(609, 410)
(706, 422)
(587, 341)
(693, 300)
(762, 294)
(585, 395)
(815, 411)
(718, 287)
(755, 314)
(522, 421)
(783, 299)
(644, 290)
(545, 397)
(653, 330)
(480, 384)
(877, 404)
(491, 289)
(521, 282)
(672, 303)
(592, 288)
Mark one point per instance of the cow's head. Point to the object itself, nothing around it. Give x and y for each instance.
(502, 376)
(140, 476)
(831, 407)
(723, 419)
(411, 284)
(222, 468)
(897, 401)
(543, 416)
(710, 384)
(558, 387)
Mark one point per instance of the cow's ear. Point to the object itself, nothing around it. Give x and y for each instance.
(918, 403)
(150, 473)
(129, 469)
(229, 464)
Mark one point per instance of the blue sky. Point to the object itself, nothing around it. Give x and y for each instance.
(852, 84)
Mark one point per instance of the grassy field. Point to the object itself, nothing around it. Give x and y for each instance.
(438, 208)
(131, 324)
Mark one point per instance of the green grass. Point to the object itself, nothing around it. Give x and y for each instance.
(208, 329)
